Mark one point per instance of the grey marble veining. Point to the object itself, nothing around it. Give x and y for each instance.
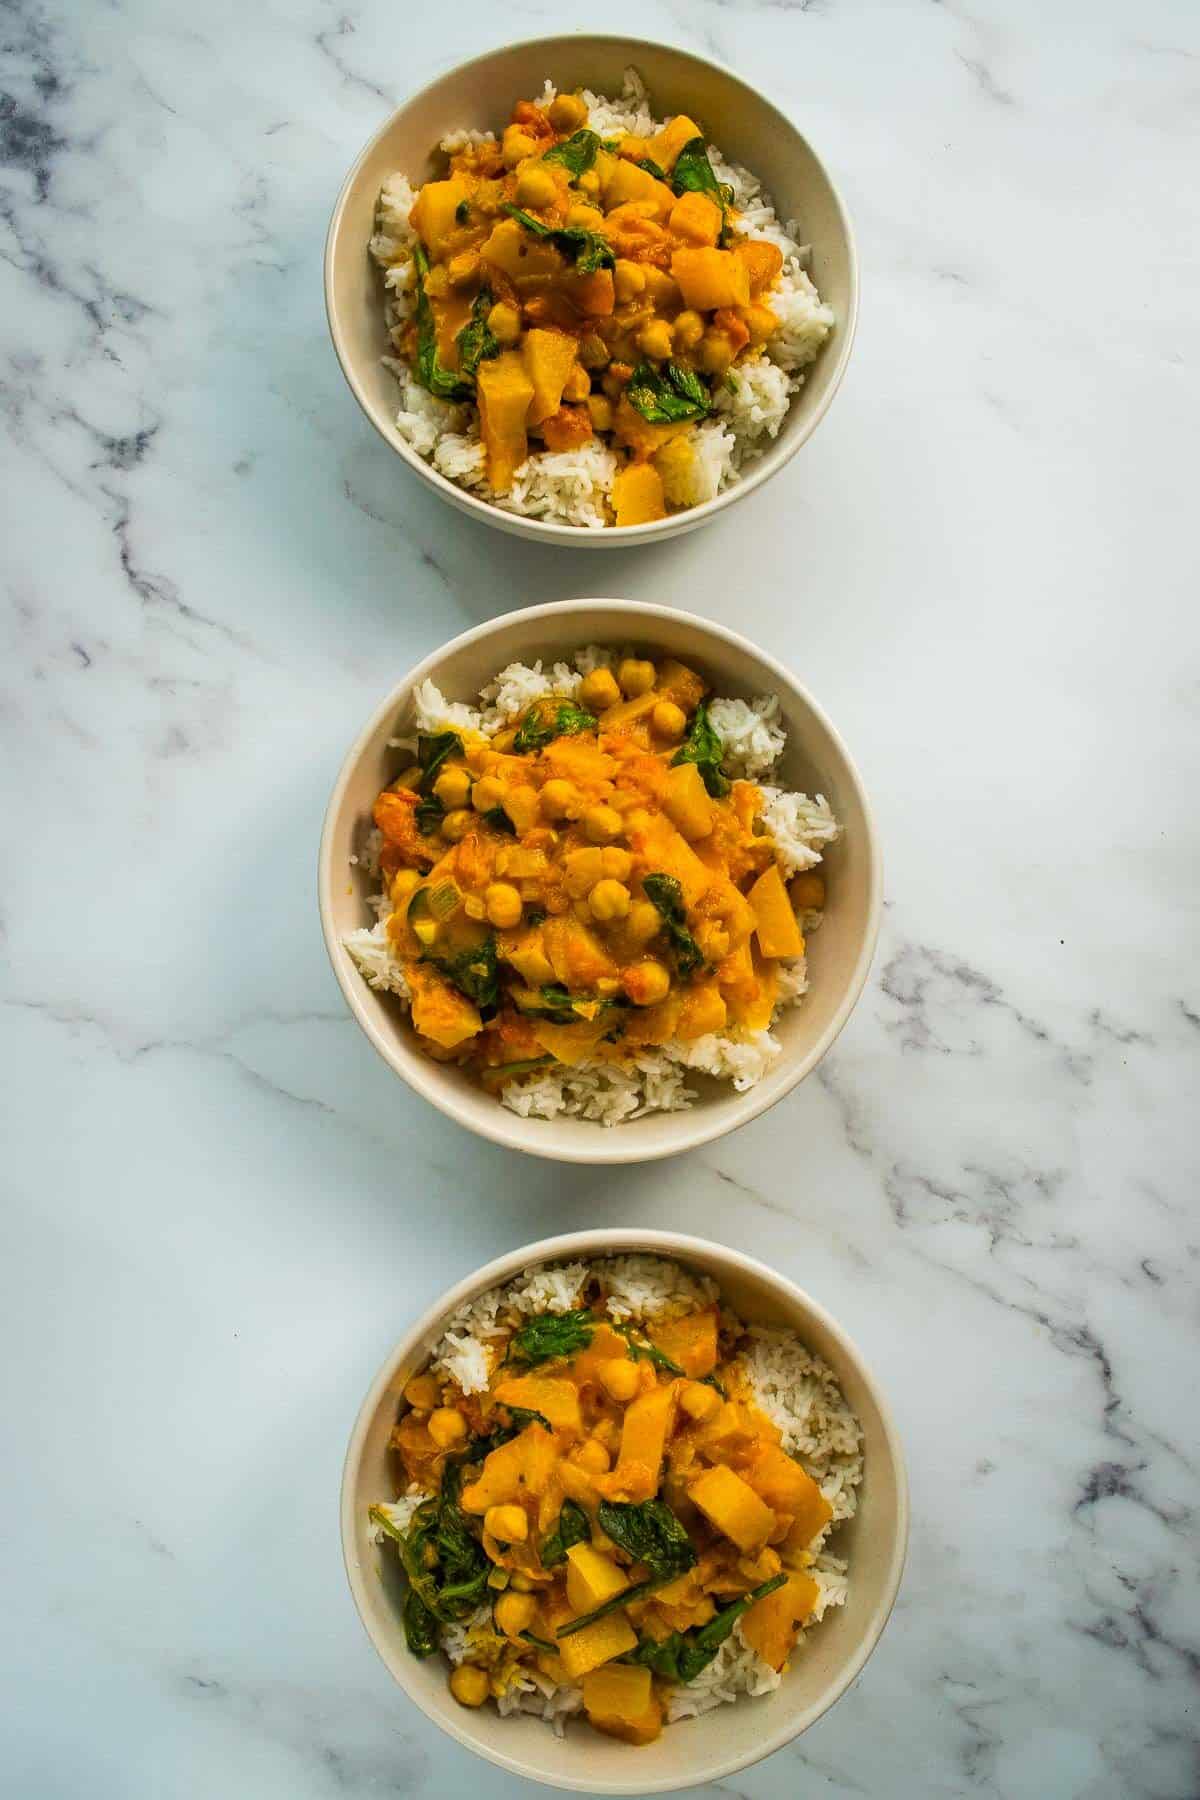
(222, 1209)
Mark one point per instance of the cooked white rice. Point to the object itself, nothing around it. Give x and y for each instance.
(655, 1079)
(795, 1389)
(572, 486)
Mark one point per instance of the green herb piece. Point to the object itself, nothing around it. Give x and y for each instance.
(667, 895)
(644, 1351)
(685, 1654)
(498, 819)
(472, 971)
(548, 1335)
(432, 751)
(576, 153)
(558, 1007)
(462, 212)
(572, 1528)
(475, 341)
(649, 1531)
(703, 747)
(669, 396)
(446, 1566)
(420, 1625)
(731, 381)
(651, 167)
(586, 249)
(712, 1382)
(638, 1591)
(429, 814)
(536, 729)
(531, 1637)
(693, 174)
(431, 373)
(535, 915)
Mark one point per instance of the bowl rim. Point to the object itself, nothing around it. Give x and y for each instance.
(607, 1240)
(507, 1128)
(546, 530)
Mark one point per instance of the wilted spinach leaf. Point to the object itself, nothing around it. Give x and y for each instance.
(586, 249)
(668, 396)
(498, 819)
(548, 1335)
(667, 895)
(537, 727)
(685, 1654)
(576, 153)
(429, 814)
(472, 971)
(644, 1351)
(475, 341)
(651, 1534)
(703, 747)
(572, 1528)
(420, 1625)
(442, 382)
(651, 167)
(693, 174)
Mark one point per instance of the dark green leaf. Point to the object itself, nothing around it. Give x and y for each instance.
(703, 747)
(432, 751)
(472, 971)
(576, 153)
(693, 173)
(572, 1528)
(442, 382)
(558, 1007)
(667, 895)
(531, 1637)
(668, 396)
(586, 249)
(643, 1351)
(429, 814)
(538, 727)
(475, 341)
(498, 819)
(524, 1416)
(712, 1382)
(462, 212)
(548, 1335)
(638, 1591)
(685, 1654)
(649, 1531)
(420, 1625)
(651, 167)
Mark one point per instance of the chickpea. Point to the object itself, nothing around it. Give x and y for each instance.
(447, 1426)
(635, 677)
(602, 823)
(646, 983)
(669, 720)
(423, 1393)
(688, 330)
(522, 806)
(620, 1378)
(599, 690)
(760, 322)
(559, 799)
(536, 186)
(654, 340)
(600, 412)
(410, 778)
(592, 1456)
(578, 385)
(462, 268)
(609, 900)
(582, 217)
(593, 351)
(582, 869)
(567, 113)
(629, 279)
(453, 786)
(507, 1524)
(615, 863)
(503, 905)
(516, 145)
(644, 922)
(486, 793)
(404, 882)
(699, 1402)
(513, 1613)
(661, 288)
(504, 323)
(714, 352)
(469, 1684)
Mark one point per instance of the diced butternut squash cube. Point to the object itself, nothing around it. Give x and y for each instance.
(637, 495)
(696, 218)
(433, 216)
(549, 359)
(526, 1464)
(440, 1012)
(644, 1433)
(504, 391)
(771, 1624)
(628, 182)
(679, 683)
(664, 147)
(732, 1431)
(598, 1643)
(659, 846)
(571, 1044)
(788, 1488)
(620, 1700)
(733, 1507)
(774, 920)
(763, 262)
(702, 1012)
(518, 254)
(686, 802)
(593, 295)
(709, 278)
(691, 1342)
(555, 1398)
(592, 1578)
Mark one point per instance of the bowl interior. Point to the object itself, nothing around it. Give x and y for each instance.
(479, 96)
(815, 761)
(729, 1737)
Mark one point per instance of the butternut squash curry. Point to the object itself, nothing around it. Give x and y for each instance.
(577, 288)
(610, 1513)
(587, 883)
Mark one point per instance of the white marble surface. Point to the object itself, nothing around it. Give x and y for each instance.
(222, 1208)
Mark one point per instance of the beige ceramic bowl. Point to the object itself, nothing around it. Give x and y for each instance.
(729, 1737)
(815, 761)
(479, 95)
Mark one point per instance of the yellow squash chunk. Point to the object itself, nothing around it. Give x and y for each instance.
(572, 1044)
(637, 495)
(524, 951)
(788, 1488)
(686, 802)
(703, 1011)
(526, 1464)
(771, 1624)
(664, 147)
(549, 359)
(679, 683)
(517, 253)
(627, 712)
(433, 215)
(754, 1006)
(708, 279)
(440, 1012)
(734, 1508)
(595, 1644)
(642, 437)
(660, 847)
(696, 218)
(592, 1578)
(606, 1346)
(691, 1342)
(620, 1700)
(503, 390)
(774, 920)
(555, 1398)
(733, 1429)
(627, 182)
(644, 1433)
(579, 958)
